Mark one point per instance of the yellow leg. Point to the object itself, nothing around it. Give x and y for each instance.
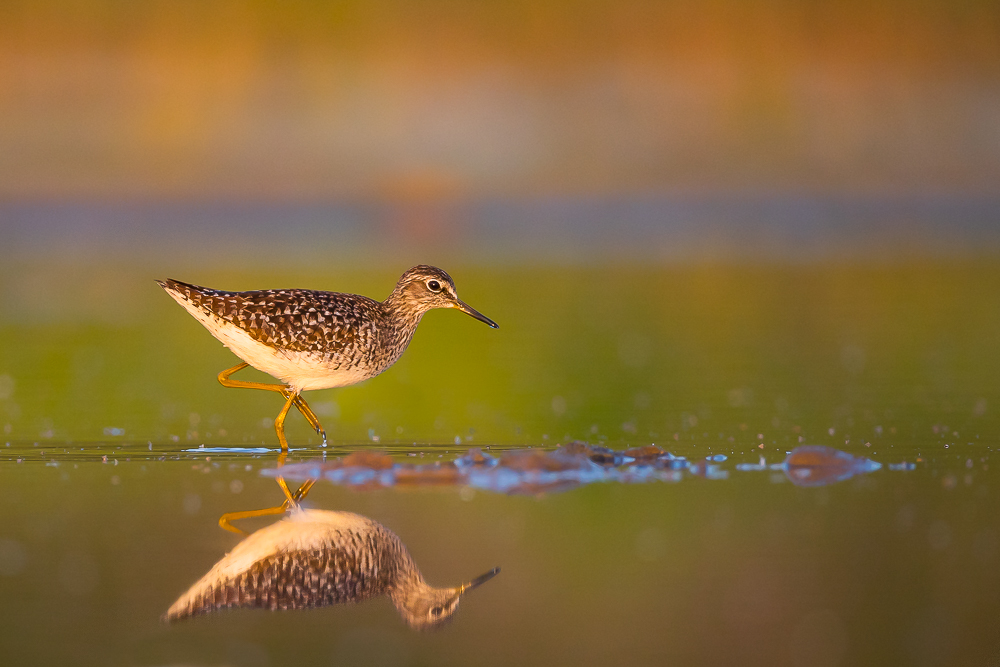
(310, 416)
(279, 423)
(226, 382)
(225, 519)
(284, 390)
(291, 500)
(291, 398)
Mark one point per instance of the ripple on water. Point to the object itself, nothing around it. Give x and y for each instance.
(535, 471)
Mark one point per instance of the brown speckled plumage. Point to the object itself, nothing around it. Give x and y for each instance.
(316, 558)
(350, 564)
(346, 330)
(315, 340)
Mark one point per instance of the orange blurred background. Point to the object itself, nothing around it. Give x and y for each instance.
(438, 100)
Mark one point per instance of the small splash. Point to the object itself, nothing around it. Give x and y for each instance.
(816, 465)
(707, 470)
(524, 471)
(229, 450)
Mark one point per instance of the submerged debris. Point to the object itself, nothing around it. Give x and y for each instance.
(816, 465)
(523, 471)
(536, 471)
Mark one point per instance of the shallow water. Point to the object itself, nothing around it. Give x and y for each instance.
(123, 454)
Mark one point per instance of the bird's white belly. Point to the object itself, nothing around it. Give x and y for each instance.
(299, 370)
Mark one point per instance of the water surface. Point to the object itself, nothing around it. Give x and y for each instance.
(120, 451)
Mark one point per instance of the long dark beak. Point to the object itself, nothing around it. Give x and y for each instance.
(478, 581)
(466, 308)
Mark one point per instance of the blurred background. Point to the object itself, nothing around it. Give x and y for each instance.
(643, 194)
(725, 227)
(335, 131)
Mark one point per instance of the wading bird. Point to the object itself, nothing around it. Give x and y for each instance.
(317, 340)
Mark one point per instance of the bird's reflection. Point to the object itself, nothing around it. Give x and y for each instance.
(314, 558)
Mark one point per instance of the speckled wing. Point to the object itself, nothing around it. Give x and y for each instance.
(301, 580)
(295, 320)
(345, 565)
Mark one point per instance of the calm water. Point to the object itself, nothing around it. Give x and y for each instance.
(109, 506)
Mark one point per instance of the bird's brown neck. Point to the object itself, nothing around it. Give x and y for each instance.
(401, 320)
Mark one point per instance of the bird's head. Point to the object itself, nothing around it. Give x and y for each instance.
(424, 607)
(423, 288)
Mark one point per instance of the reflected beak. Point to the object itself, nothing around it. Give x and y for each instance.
(466, 308)
(478, 581)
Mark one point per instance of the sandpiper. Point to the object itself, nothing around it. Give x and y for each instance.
(315, 558)
(317, 340)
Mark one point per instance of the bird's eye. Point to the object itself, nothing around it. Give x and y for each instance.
(433, 285)
(436, 611)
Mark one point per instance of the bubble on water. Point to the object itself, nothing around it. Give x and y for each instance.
(13, 557)
(467, 493)
(236, 486)
(113, 431)
(558, 406)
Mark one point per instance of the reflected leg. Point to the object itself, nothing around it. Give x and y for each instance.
(291, 398)
(225, 519)
(291, 500)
